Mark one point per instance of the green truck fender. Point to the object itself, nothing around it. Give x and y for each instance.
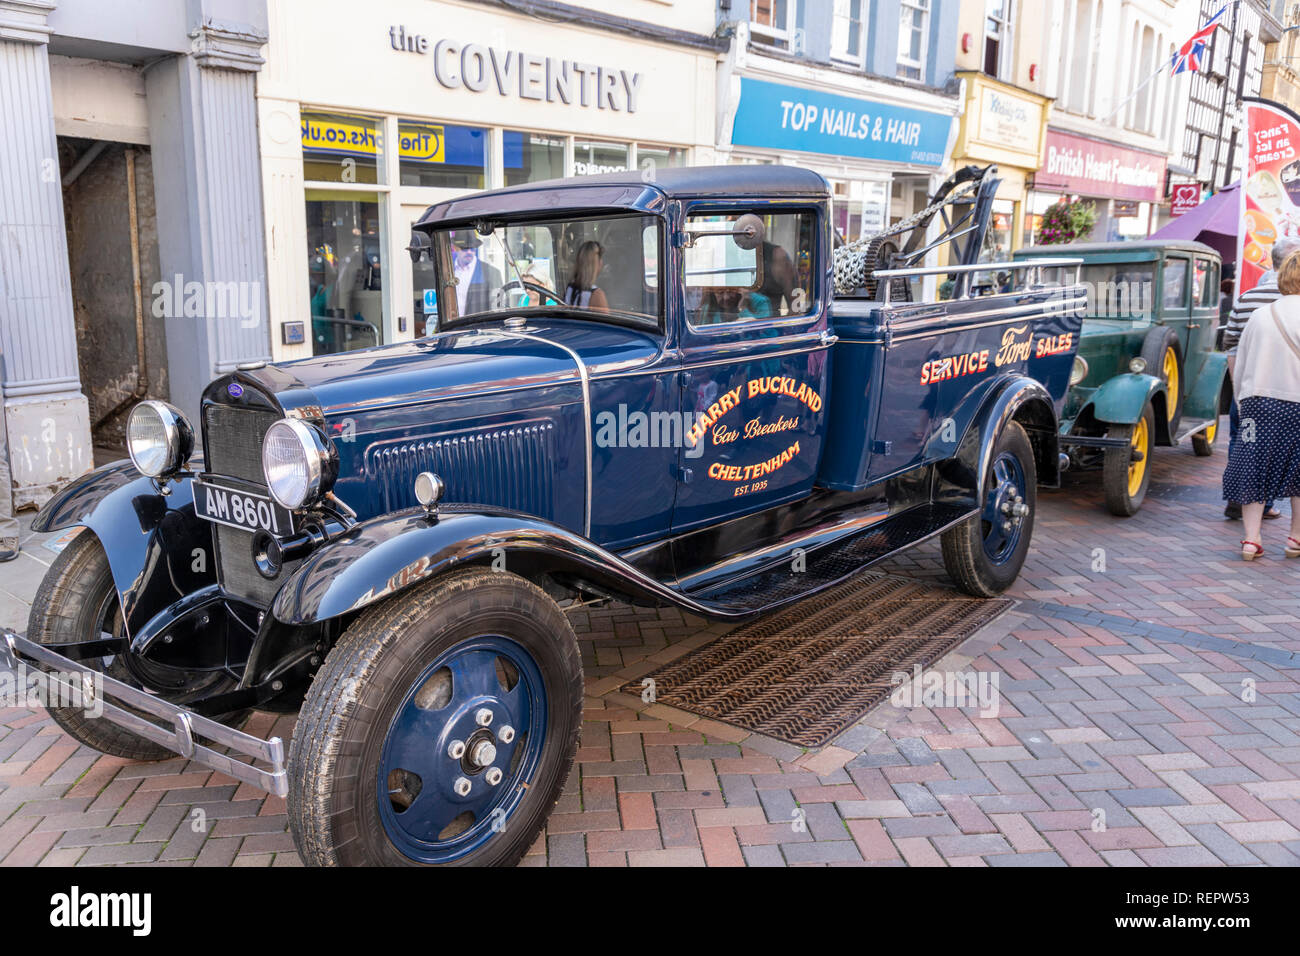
(1120, 400)
(1203, 401)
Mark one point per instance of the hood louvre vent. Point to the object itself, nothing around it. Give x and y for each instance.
(507, 467)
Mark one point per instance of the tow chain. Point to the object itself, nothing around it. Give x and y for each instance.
(855, 261)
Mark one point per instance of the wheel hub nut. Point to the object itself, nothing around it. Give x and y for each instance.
(507, 734)
(456, 750)
(483, 753)
(461, 786)
(483, 717)
(493, 776)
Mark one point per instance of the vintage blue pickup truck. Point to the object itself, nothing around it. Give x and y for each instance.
(664, 392)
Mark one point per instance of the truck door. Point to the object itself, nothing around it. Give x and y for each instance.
(754, 359)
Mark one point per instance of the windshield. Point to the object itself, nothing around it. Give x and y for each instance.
(1120, 290)
(607, 266)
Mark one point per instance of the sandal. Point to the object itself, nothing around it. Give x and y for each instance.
(1272, 514)
(1292, 547)
(1247, 555)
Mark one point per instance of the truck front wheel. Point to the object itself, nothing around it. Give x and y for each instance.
(77, 601)
(1126, 472)
(984, 555)
(440, 729)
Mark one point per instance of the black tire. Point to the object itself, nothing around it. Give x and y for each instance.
(77, 601)
(1160, 341)
(369, 677)
(965, 555)
(1124, 496)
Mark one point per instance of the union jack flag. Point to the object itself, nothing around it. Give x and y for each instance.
(1192, 54)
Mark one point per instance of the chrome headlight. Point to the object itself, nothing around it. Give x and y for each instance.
(297, 461)
(1138, 365)
(158, 438)
(1078, 371)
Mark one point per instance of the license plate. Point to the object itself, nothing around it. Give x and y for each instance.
(241, 509)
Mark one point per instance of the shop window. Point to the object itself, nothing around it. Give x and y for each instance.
(726, 282)
(848, 31)
(345, 265)
(532, 157)
(337, 148)
(590, 158)
(650, 158)
(997, 241)
(442, 154)
(913, 25)
(997, 38)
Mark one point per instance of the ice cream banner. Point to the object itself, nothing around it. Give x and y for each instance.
(1270, 201)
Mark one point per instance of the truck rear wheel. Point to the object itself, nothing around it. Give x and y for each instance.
(440, 729)
(77, 601)
(984, 555)
(1126, 472)
(1164, 357)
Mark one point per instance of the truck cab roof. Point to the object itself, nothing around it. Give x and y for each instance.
(634, 191)
(1131, 250)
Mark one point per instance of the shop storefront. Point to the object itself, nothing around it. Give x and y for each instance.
(131, 261)
(1125, 184)
(883, 152)
(1004, 125)
(415, 102)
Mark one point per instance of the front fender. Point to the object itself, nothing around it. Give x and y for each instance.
(158, 551)
(1203, 400)
(382, 557)
(1120, 400)
(1020, 399)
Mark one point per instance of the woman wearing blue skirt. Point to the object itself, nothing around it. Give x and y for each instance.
(1265, 462)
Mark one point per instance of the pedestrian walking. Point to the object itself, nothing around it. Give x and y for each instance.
(1264, 463)
(1264, 293)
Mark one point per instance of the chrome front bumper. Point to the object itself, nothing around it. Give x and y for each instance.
(178, 727)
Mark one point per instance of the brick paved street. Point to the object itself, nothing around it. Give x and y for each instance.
(1149, 717)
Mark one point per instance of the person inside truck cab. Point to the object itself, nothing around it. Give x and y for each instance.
(582, 291)
(476, 279)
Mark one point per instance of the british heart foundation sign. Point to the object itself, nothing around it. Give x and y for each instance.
(1186, 198)
(1270, 201)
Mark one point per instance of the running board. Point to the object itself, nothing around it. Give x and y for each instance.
(1191, 426)
(798, 574)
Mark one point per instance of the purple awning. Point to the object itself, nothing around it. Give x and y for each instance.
(1214, 222)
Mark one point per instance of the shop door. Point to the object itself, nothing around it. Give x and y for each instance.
(108, 202)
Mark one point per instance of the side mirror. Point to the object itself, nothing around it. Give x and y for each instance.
(420, 244)
(748, 232)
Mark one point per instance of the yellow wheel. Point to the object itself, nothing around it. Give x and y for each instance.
(1169, 371)
(1164, 357)
(1137, 471)
(1203, 441)
(1126, 469)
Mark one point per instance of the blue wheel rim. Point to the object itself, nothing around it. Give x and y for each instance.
(1001, 524)
(422, 814)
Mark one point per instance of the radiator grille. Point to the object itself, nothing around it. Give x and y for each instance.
(234, 449)
(508, 467)
(234, 440)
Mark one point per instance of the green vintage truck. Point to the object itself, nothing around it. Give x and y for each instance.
(1147, 372)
